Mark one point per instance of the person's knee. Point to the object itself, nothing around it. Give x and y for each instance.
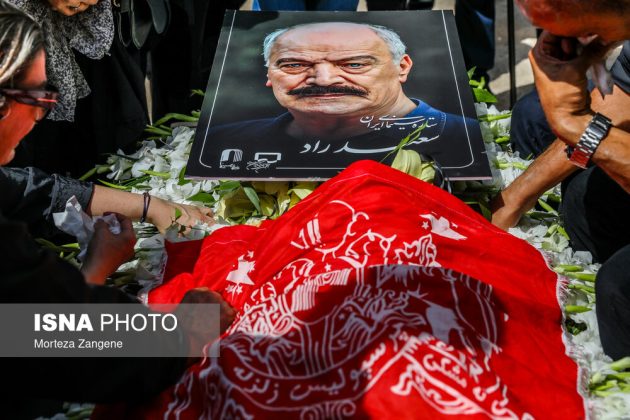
(595, 209)
(612, 291)
(530, 133)
(574, 212)
(613, 279)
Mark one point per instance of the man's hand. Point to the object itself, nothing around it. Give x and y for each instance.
(559, 65)
(107, 251)
(197, 323)
(163, 213)
(71, 7)
(504, 215)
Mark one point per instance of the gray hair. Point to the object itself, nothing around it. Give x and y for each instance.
(20, 39)
(395, 45)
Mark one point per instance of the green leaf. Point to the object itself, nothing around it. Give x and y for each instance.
(163, 175)
(159, 131)
(590, 277)
(229, 186)
(301, 190)
(178, 213)
(268, 205)
(203, 197)
(494, 117)
(576, 309)
(567, 268)
(621, 364)
(582, 287)
(116, 186)
(175, 116)
(482, 95)
(88, 174)
(235, 206)
(197, 92)
(411, 137)
(181, 177)
(253, 197)
(547, 207)
(471, 73)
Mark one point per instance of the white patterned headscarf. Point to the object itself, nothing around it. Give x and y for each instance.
(90, 33)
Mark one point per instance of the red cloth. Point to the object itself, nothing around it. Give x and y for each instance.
(379, 295)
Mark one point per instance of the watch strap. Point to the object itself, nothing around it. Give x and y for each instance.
(595, 132)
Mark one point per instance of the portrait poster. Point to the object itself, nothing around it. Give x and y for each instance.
(332, 88)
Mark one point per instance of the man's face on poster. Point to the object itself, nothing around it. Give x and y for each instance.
(336, 69)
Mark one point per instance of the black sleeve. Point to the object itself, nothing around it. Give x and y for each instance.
(32, 196)
(621, 69)
(29, 274)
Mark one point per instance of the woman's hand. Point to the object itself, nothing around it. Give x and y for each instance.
(71, 7)
(107, 251)
(163, 214)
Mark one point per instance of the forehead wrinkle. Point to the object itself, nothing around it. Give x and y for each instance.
(333, 41)
(318, 56)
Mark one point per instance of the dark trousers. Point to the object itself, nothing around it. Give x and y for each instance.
(596, 213)
(530, 133)
(597, 218)
(613, 304)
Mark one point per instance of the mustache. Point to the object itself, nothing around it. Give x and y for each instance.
(316, 90)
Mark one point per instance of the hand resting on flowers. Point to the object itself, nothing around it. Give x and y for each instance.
(161, 213)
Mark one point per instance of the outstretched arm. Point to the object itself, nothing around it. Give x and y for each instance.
(550, 168)
(161, 213)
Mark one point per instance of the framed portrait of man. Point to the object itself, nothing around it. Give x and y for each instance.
(302, 95)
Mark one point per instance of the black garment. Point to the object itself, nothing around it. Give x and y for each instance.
(621, 69)
(596, 213)
(112, 117)
(30, 274)
(32, 196)
(613, 304)
(183, 58)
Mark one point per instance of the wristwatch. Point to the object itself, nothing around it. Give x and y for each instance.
(595, 132)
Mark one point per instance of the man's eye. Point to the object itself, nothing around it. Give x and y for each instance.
(355, 66)
(293, 65)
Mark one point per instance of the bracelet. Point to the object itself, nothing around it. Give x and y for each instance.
(146, 197)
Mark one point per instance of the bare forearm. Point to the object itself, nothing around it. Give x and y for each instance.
(112, 200)
(161, 213)
(547, 170)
